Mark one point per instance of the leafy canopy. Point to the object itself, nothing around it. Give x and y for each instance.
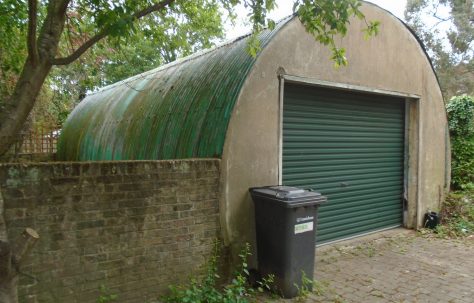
(153, 40)
(324, 19)
(131, 45)
(196, 23)
(54, 51)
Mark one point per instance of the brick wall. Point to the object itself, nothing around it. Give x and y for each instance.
(132, 226)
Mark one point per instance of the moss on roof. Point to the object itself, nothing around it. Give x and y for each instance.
(179, 110)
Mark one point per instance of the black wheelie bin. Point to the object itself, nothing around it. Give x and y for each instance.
(286, 219)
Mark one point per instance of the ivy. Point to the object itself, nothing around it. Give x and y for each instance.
(461, 116)
(461, 127)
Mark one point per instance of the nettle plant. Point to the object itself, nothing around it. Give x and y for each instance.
(461, 128)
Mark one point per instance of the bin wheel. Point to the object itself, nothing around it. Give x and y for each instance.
(254, 277)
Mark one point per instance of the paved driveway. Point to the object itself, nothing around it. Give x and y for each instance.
(394, 266)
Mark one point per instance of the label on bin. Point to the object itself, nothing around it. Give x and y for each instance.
(307, 218)
(303, 227)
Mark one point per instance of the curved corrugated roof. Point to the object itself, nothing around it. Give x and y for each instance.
(179, 110)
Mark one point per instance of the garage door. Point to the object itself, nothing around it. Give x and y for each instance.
(350, 147)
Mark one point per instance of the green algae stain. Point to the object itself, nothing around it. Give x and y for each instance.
(14, 179)
(17, 177)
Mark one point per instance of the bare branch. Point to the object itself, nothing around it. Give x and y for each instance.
(441, 20)
(82, 49)
(435, 15)
(106, 31)
(32, 23)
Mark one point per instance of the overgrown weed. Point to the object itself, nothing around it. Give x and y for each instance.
(207, 290)
(456, 217)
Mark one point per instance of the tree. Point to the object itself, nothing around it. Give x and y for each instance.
(185, 31)
(46, 27)
(110, 61)
(449, 40)
(37, 35)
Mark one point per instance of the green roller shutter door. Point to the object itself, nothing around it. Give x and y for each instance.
(350, 147)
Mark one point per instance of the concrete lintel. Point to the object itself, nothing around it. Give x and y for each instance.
(344, 86)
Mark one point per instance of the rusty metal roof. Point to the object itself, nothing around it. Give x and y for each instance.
(179, 110)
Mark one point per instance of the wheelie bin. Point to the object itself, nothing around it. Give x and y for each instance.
(286, 220)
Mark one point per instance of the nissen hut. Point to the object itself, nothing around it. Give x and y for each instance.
(371, 136)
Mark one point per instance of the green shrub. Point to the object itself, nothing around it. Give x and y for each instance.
(461, 128)
(462, 163)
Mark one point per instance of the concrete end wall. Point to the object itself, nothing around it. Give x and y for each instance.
(134, 227)
(392, 61)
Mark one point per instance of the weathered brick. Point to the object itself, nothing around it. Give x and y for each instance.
(12, 193)
(134, 226)
(90, 224)
(90, 169)
(105, 179)
(64, 181)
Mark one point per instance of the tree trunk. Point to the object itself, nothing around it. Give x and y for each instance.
(41, 53)
(8, 284)
(8, 275)
(3, 226)
(12, 258)
(20, 104)
(8, 291)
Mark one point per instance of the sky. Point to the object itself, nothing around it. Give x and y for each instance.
(397, 7)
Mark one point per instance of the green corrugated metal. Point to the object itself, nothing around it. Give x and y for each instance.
(180, 110)
(350, 147)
